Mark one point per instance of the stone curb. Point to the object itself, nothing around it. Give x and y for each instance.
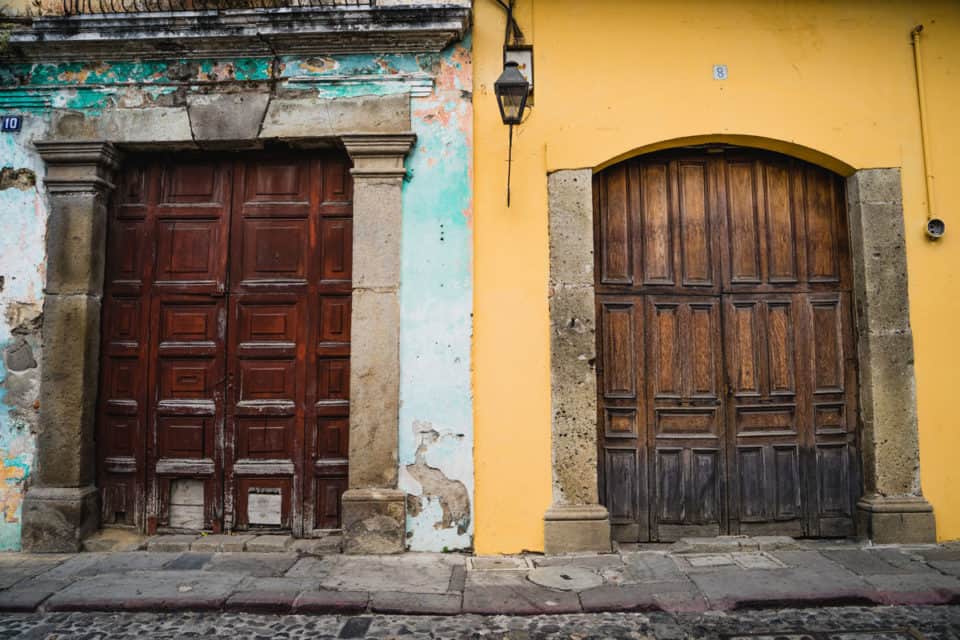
(261, 602)
(450, 604)
(339, 602)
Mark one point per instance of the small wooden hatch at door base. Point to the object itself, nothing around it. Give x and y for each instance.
(225, 364)
(727, 373)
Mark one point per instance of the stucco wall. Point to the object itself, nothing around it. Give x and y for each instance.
(436, 436)
(829, 82)
(21, 296)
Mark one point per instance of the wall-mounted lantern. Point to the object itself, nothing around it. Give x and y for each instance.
(512, 90)
(515, 82)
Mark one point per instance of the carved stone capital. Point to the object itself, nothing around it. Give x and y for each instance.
(72, 166)
(379, 155)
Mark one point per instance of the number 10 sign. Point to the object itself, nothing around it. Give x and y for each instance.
(10, 123)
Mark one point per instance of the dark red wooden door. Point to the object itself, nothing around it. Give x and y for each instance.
(727, 374)
(224, 396)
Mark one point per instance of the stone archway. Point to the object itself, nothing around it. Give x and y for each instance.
(892, 508)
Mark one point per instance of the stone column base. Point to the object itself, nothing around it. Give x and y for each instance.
(374, 521)
(571, 528)
(896, 519)
(56, 520)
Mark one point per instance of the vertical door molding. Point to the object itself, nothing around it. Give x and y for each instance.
(575, 520)
(893, 508)
(61, 506)
(374, 509)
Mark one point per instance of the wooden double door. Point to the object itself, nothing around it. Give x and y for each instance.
(727, 371)
(225, 361)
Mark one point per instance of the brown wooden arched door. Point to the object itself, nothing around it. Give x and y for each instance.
(727, 372)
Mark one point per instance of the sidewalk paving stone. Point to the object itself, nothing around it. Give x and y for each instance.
(421, 573)
(652, 596)
(496, 579)
(189, 561)
(458, 579)
(499, 563)
(296, 585)
(125, 561)
(602, 561)
(339, 602)
(431, 604)
(317, 546)
(756, 560)
(15, 568)
(254, 564)
(269, 544)
(773, 543)
(916, 589)
(744, 588)
(147, 591)
(528, 599)
(115, 539)
(644, 567)
(944, 554)
(720, 544)
(950, 567)
(180, 542)
(220, 542)
(864, 562)
(29, 594)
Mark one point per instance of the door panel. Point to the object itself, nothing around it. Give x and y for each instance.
(833, 415)
(226, 343)
(729, 403)
(684, 367)
(623, 440)
(764, 413)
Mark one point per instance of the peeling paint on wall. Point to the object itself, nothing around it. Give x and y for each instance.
(436, 430)
(436, 415)
(21, 286)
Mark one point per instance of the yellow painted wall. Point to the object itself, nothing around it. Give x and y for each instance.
(833, 81)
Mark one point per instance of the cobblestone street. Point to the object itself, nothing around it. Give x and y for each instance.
(840, 623)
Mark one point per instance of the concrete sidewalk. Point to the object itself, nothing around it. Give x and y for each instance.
(692, 576)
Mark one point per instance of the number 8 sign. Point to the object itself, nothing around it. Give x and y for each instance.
(11, 123)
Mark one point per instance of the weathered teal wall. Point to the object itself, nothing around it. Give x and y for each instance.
(21, 285)
(436, 430)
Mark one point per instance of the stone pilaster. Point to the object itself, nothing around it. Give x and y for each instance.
(893, 508)
(374, 512)
(61, 506)
(575, 521)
